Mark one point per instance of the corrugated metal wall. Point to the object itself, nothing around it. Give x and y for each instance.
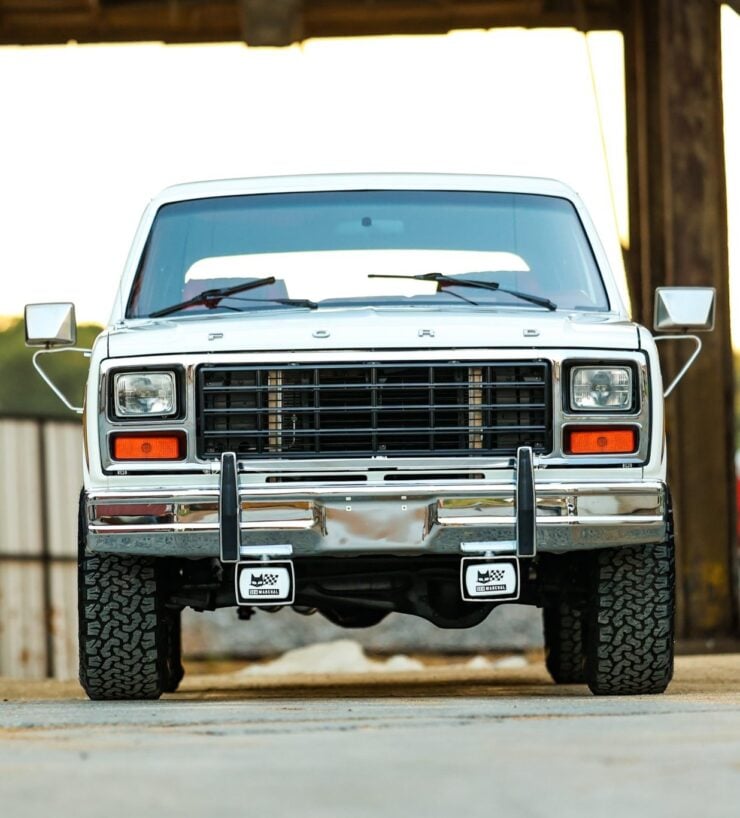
(40, 480)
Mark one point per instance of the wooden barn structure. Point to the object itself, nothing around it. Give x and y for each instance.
(677, 193)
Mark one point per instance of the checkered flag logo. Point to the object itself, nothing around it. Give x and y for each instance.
(492, 575)
(261, 580)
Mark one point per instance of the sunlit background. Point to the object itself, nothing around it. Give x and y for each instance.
(91, 132)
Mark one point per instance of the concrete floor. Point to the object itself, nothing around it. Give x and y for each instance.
(440, 742)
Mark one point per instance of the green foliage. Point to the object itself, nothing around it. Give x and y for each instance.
(22, 392)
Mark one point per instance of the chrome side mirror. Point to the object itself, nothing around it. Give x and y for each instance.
(53, 327)
(50, 325)
(684, 308)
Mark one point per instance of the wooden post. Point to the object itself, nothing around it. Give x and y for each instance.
(678, 227)
(272, 22)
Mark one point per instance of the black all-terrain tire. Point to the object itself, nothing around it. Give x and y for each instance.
(630, 620)
(129, 642)
(123, 633)
(564, 649)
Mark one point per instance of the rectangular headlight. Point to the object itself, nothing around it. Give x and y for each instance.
(144, 394)
(601, 388)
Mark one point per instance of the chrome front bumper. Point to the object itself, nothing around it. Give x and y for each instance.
(352, 519)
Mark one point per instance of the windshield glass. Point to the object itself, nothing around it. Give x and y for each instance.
(323, 246)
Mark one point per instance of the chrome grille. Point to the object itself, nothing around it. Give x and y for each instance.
(396, 409)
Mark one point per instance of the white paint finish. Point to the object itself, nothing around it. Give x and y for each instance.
(368, 328)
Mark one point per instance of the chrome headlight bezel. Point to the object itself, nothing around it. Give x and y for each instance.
(168, 384)
(607, 371)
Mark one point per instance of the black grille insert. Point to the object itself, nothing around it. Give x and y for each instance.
(396, 409)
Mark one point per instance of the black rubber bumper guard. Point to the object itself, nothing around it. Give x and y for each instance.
(526, 504)
(230, 511)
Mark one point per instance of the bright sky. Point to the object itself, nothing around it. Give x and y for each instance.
(90, 133)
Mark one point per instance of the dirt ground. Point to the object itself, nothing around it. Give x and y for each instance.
(706, 677)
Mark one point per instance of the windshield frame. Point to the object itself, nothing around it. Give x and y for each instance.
(612, 297)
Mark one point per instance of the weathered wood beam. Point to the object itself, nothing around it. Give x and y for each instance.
(280, 22)
(272, 22)
(678, 215)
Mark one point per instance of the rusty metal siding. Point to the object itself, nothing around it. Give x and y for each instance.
(23, 651)
(40, 479)
(63, 465)
(20, 486)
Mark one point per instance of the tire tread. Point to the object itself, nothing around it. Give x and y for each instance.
(122, 636)
(631, 616)
(564, 652)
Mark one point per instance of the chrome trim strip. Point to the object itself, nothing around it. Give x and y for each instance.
(469, 488)
(276, 550)
(448, 522)
(452, 522)
(491, 547)
(551, 539)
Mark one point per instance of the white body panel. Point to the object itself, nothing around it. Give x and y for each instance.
(367, 328)
(362, 333)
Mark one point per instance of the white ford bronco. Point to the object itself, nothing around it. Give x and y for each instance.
(360, 394)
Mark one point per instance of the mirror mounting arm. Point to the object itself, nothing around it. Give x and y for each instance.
(47, 380)
(685, 368)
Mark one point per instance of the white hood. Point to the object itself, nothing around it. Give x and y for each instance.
(370, 328)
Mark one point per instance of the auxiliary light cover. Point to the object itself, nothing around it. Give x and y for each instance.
(614, 440)
(159, 446)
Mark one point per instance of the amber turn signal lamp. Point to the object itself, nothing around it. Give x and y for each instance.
(618, 440)
(169, 446)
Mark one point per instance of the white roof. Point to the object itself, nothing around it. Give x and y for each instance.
(364, 181)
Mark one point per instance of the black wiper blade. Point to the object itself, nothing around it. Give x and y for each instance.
(211, 298)
(288, 302)
(423, 278)
(481, 285)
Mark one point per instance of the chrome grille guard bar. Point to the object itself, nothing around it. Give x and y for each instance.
(525, 503)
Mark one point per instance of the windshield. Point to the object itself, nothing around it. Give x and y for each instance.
(323, 246)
